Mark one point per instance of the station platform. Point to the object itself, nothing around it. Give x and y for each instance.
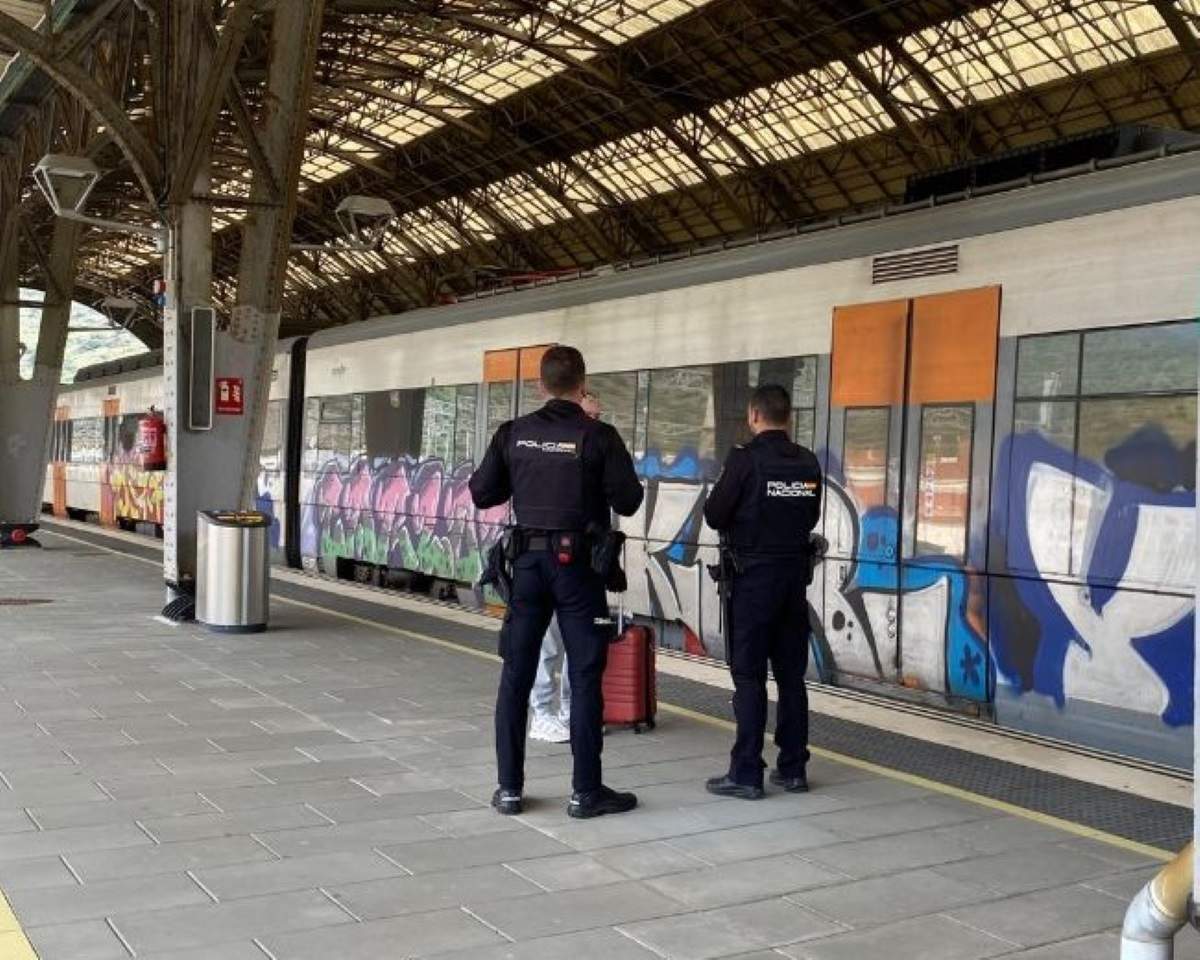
(320, 791)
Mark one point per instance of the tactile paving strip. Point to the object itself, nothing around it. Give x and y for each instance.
(1125, 815)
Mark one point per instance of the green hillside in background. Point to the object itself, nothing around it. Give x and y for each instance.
(83, 349)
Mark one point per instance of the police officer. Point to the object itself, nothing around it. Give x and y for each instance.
(563, 472)
(766, 504)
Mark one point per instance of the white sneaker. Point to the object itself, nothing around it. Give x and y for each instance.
(548, 730)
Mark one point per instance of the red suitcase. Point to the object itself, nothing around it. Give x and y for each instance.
(630, 691)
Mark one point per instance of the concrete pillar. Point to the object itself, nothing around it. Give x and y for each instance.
(217, 469)
(27, 407)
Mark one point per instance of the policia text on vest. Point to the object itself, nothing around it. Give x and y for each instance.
(564, 473)
(765, 506)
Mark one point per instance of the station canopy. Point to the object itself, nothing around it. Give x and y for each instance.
(523, 140)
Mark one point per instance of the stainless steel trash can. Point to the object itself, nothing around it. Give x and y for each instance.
(231, 570)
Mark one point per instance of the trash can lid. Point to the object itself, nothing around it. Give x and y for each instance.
(236, 518)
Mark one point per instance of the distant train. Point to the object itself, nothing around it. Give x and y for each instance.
(1003, 390)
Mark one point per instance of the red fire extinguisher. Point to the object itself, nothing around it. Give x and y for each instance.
(152, 441)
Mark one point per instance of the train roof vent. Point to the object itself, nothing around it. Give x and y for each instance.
(929, 262)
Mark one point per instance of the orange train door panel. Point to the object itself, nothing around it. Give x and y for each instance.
(910, 459)
(862, 508)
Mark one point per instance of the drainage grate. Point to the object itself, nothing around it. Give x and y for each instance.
(21, 602)
(915, 263)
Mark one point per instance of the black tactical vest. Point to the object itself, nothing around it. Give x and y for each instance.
(545, 461)
(786, 502)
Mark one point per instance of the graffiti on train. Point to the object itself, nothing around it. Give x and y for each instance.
(407, 513)
(1098, 607)
(134, 493)
(853, 600)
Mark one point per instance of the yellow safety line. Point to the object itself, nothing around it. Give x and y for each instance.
(1067, 826)
(14, 945)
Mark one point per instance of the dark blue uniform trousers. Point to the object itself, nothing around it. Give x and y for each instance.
(542, 587)
(769, 623)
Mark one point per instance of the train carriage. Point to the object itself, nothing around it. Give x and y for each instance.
(1002, 390)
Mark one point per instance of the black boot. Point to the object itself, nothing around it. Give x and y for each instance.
(727, 787)
(508, 802)
(796, 784)
(597, 803)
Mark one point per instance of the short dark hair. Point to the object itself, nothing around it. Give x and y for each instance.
(773, 404)
(563, 370)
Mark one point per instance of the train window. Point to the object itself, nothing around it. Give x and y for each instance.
(641, 427)
(1048, 366)
(804, 426)
(1140, 359)
(865, 454)
(944, 481)
(127, 434)
(87, 440)
(499, 404)
(1149, 440)
(393, 423)
(437, 430)
(798, 375)
(682, 422)
(334, 427)
(531, 397)
(466, 402)
(618, 395)
(1054, 419)
(272, 445)
(1131, 412)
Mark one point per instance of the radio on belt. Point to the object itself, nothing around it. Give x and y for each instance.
(232, 555)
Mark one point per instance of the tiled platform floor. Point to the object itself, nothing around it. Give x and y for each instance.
(320, 792)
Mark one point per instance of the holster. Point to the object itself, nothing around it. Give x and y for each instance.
(818, 546)
(498, 568)
(723, 572)
(607, 547)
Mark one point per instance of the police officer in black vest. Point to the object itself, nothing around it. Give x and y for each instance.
(563, 472)
(766, 504)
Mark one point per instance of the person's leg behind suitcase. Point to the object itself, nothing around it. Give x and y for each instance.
(789, 662)
(547, 713)
(526, 620)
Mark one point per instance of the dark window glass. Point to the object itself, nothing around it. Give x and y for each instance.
(272, 446)
(1148, 440)
(127, 434)
(394, 422)
(944, 482)
(618, 396)
(1140, 359)
(641, 427)
(466, 400)
(532, 397)
(87, 440)
(437, 431)
(312, 420)
(334, 429)
(866, 455)
(804, 427)
(1048, 366)
(680, 432)
(499, 405)
(1054, 419)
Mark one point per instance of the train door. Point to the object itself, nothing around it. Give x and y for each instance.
(59, 457)
(512, 381)
(910, 430)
